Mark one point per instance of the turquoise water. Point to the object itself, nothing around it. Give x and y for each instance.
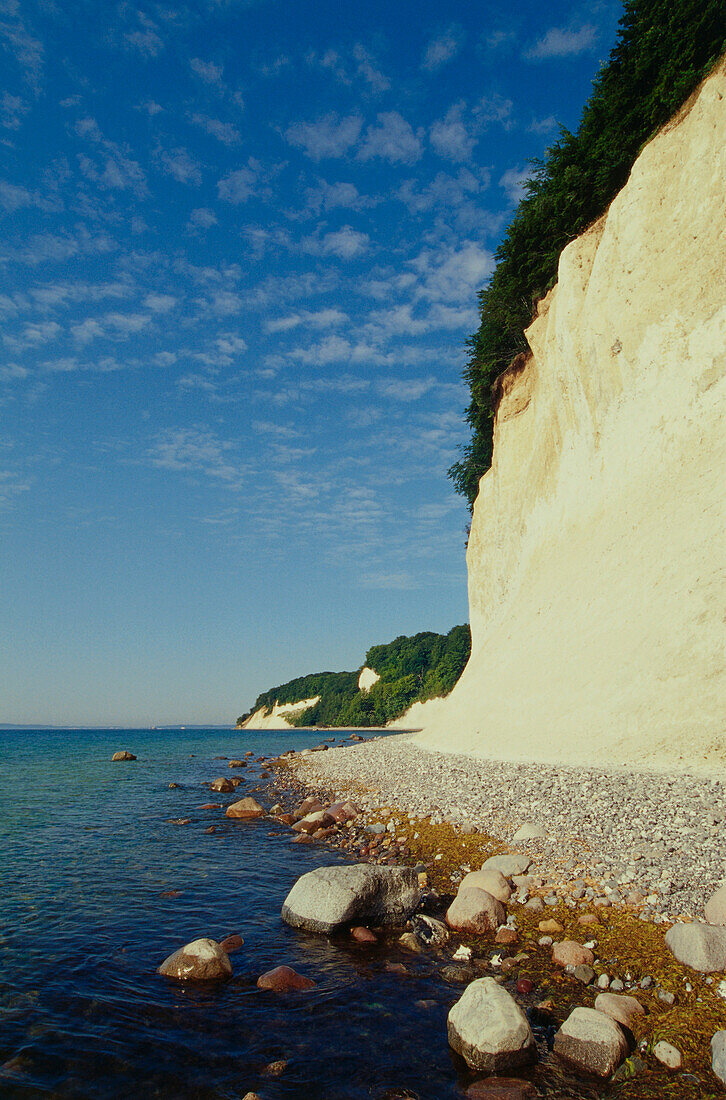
(87, 857)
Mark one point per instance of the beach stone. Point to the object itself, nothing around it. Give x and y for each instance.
(569, 953)
(488, 1029)
(411, 942)
(491, 880)
(583, 973)
(429, 930)
(501, 1088)
(308, 806)
(283, 979)
(201, 960)
(245, 810)
(475, 910)
(536, 904)
(251, 1096)
(173, 786)
(222, 785)
(552, 926)
(700, 946)
(529, 831)
(232, 943)
(668, 1055)
(715, 910)
(510, 864)
(363, 935)
(525, 986)
(506, 935)
(591, 1042)
(457, 973)
(718, 1055)
(328, 897)
(237, 764)
(124, 754)
(622, 1009)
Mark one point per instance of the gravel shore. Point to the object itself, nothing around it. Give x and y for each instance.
(651, 840)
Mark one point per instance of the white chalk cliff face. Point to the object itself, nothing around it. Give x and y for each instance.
(277, 717)
(368, 677)
(596, 559)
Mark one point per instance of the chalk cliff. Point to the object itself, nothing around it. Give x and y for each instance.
(596, 559)
(277, 717)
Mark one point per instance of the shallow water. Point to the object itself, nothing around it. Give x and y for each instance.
(87, 857)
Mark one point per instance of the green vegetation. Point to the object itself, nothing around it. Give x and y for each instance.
(411, 670)
(664, 48)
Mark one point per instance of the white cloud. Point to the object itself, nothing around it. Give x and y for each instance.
(222, 131)
(345, 243)
(33, 335)
(442, 49)
(202, 218)
(178, 164)
(450, 136)
(12, 111)
(159, 303)
(561, 42)
(329, 196)
(330, 136)
(231, 344)
(493, 108)
(513, 182)
(151, 107)
(368, 70)
(195, 450)
(87, 330)
(239, 186)
(543, 125)
(127, 323)
(392, 139)
(147, 42)
(208, 71)
(27, 50)
(13, 198)
(443, 191)
(452, 274)
(119, 172)
(322, 318)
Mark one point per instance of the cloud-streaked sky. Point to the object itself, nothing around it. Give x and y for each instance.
(240, 251)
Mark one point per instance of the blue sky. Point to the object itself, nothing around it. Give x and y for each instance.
(240, 250)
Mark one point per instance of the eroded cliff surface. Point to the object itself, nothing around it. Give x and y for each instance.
(596, 560)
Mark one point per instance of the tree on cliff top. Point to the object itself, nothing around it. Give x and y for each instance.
(663, 50)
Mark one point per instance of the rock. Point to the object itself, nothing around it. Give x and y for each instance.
(124, 754)
(510, 864)
(245, 810)
(411, 942)
(524, 986)
(700, 946)
(535, 904)
(211, 806)
(363, 935)
(583, 973)
(587, 919)
(591, 1042)
(283, 979)
(501, 1088)
(308, 806)
(476, 911)
(624, 1010)
(603, 981)
(488, 1029)
(506, 935)
(552, 926)
(328, 897)
(718, 1055)
(668, 1055)
(429, 930)
(529, 831)
(569, 953)
(456, 973)
(491, 880)
(222, 785)
(237, 764)
(251, 1096)
(275, 1069)
(715, 910)
(665, 996)
(173, 786)
(201, 961)
(310, 824)
(232, 943)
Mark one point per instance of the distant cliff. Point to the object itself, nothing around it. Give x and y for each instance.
(394, 676)
(596, 557)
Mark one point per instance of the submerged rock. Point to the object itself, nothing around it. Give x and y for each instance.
(591, 1042)
(488, 1029)
(201, 960)
(245, 809)
(222, 785)
(501, 1088)
(328, 897)
(124, 754)
(283, 979)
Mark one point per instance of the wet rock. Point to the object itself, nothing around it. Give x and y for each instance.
(275, 1069)
(210, 829)
(236, 782)
(303, 838)
(506, 935)
(202, 960)
(430, 931)
(569, 953)
(178, 821)
(363, 935)
(552, 926)
(457, 973)
(231, 943)
(583, 973)
(411, 942)
(623, 1009)
(245, 810)
(173, 786)
(510, 864)
(124, 754)
(668, 1055)
(312, 822)
(283, 979)
(222, 785)
(251, 1096)
(501, 1088)
(524, 986)
(476, 911)
(591, 1042)
(308, 806)
(328, 897)
(237, 764)
(718, 1055)
(211, 806)
(491, 880)
(396, 968)
(488, 1029)
(529, 831)
(715, 910)
(700, 946)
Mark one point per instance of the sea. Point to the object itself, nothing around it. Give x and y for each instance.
(98, 887)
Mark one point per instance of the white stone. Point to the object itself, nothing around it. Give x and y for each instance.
(715, 909)
(328, 897)
(488, 1029)
(491, 880)
(700, 946)
(668, 1055)
(200, 960)
(591, 1042)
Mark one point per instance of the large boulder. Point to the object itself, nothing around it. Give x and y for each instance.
(488, 1029)
(715, 910)
(474, 910)
(222, 785)
(621, 1008)
(124, 754)
(700, 946)
(718, 1055)
(591, 1042)
(329, 897)
(510, 864)
(201, 961)
(491, 880)
(245, 810)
